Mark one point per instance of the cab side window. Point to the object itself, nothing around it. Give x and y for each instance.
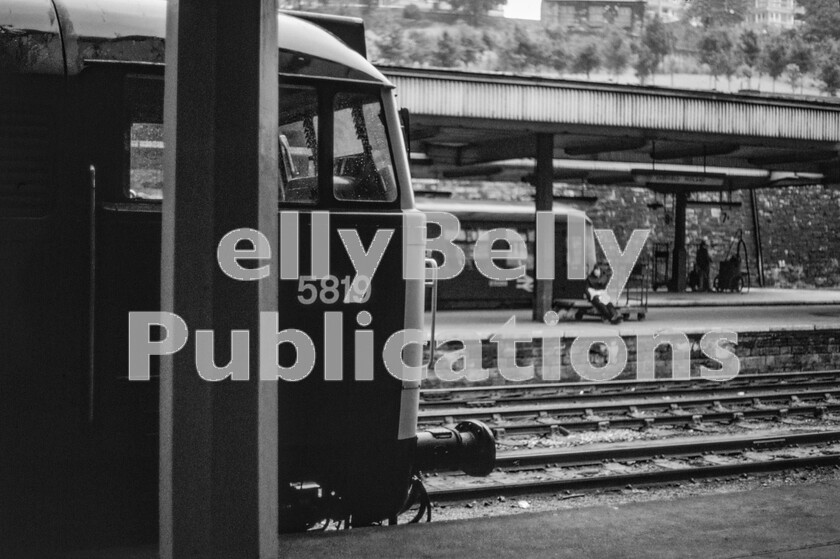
(298, 145)
(362, 163)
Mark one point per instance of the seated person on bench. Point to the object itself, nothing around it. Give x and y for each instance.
(596, 292)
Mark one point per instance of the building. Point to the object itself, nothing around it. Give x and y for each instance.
(585, 15)
(668, 10)
(776, 13)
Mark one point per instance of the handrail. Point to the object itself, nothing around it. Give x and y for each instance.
(432, 282)
(92, 295)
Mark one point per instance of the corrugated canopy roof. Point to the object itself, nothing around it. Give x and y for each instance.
(469, 120)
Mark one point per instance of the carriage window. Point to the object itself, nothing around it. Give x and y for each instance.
(298, 145)
(362, 165)
(146, 161)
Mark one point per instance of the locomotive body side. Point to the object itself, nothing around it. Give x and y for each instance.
(81, 87)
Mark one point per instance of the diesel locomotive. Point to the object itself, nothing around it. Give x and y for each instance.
(81, 190)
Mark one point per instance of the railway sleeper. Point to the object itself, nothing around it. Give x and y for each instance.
(481, 403)
(718, 407)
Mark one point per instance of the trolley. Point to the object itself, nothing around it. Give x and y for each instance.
(734, 270)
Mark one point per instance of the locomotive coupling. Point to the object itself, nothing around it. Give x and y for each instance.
(469, 447)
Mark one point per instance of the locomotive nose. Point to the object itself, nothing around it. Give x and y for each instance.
(469, 447)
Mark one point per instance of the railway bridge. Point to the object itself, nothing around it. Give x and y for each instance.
(499, 126)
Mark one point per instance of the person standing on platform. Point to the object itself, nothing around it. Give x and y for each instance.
(703, 263)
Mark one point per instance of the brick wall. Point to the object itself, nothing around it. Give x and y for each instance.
(757, 352)
(799, 236)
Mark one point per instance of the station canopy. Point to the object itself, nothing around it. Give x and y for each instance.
(484, 126)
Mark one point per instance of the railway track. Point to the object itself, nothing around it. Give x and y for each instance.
(642, 464)
(552, 409)
(562, 408)
(481, 396)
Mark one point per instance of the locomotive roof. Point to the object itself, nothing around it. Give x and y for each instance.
(60, 36)
(491, 210)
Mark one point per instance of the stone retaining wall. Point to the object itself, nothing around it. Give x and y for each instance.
(757, 352)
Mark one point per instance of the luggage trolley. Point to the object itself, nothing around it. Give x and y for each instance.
(731, 276)
(635, 297)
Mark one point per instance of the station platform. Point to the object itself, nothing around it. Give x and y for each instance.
(775, 330)
(793, 522)
(788, 522)
(760, 310)
(756, 296)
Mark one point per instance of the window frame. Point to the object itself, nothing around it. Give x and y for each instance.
(326, 91)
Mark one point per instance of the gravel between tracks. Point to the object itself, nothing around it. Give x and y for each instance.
(501, 506)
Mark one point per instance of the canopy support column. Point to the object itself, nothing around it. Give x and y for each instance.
(544, 202)
(218, 440)
(679, 261)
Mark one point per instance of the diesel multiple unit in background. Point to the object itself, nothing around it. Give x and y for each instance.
(473, 290)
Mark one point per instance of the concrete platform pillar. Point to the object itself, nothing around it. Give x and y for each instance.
(218, 440)
(544, 202)
(678, 268)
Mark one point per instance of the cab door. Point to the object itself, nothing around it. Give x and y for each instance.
(123, 107)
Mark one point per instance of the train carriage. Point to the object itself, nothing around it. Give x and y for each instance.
(473, 290)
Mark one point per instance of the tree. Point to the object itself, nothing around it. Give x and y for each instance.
(716, 51)
(558, 50)
(821, 20)
(799, 52)
(744, 71)
(828, 67)
(586, 59)
(474, 9)
(774, 59)
(392, 48)
(794, 75)
(749, 51)
(616, 52)
(412, 12)
(448, 53)
(527, 49)
(422, 49)
(471, 43)
(645, 63)
(657, 40)
(828, 73)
